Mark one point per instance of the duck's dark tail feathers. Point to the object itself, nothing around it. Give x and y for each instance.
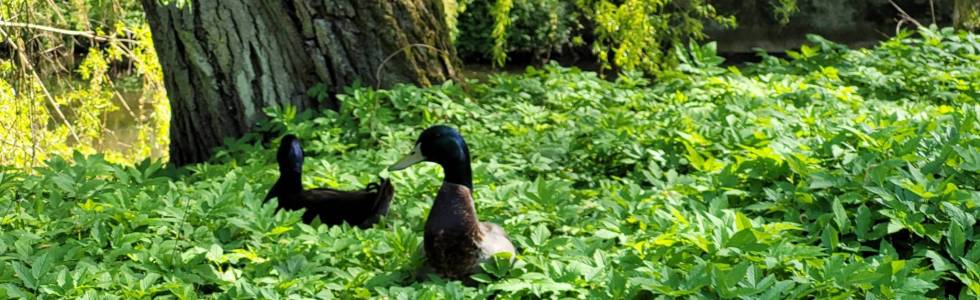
(361, 208)
(383, 191)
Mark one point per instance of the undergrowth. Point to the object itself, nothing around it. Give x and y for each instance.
(836, 174)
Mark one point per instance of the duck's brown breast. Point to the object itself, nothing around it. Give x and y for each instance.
(452, 233)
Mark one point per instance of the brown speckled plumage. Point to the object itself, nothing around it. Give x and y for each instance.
(455, 240)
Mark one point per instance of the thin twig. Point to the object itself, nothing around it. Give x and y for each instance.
(30, 67)
(905, 17)
(57, 11)
(51, 49)
(180, 228)
(883, 35)
(377, 74)
(88, 34)
(122, 100)
(932, 11)
(12, 144)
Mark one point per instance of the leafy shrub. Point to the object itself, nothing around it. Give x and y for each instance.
(766, 183)
(64, 92)
(630, 35)
(940, 66)
(635, 35)
(538, 28)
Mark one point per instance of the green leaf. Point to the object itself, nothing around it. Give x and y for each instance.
(823, 180)
(840, 216)
(606, 234)
(744, 239)
(511, 285)
(939, 263)
(956, 214)
(736, 274)
(25, 275)
(830, 238)
(862, 222)
(897, 266)
(971, 158)
(540, 234)
(40, 266)
(742, 221)
(214, 253)
(917, 285)
(955, 239)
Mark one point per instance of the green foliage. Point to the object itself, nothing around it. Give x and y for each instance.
(787, 180)
(783, 9)
(629, 35)
(538, 28)
(966, 14)
(66, 92)
(453, 9)
(941, 66)
(633, 34)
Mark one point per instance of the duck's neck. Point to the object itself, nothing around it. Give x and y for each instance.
(290, 183)
(459, 173)
(453, 208)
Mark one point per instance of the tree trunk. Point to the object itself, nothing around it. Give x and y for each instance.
(966, 14)
(224, 60)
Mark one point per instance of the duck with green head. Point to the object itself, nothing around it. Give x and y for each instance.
(455, 241)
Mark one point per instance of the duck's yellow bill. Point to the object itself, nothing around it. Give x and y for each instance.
(413, 158)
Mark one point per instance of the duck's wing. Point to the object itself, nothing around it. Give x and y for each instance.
(360, 208)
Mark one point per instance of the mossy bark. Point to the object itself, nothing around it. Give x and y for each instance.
(223, 61)
(966, 14)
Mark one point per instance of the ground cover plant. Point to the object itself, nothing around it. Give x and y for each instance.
(837, 173)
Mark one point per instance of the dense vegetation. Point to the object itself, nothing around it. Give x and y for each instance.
(632, 35)
(839, 173)
(90, 81)
(79, 76)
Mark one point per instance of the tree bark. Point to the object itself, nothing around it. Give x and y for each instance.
(966, 14)
(224, 60)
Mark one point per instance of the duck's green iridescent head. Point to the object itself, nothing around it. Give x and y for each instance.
(443, 145)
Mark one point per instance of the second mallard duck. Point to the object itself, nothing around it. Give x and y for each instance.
(455, 241)
(358, 208)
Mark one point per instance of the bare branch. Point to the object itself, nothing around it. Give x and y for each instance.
(119, 96)
(87, 34)
(377, 73)
(30, 67)
(905, 17)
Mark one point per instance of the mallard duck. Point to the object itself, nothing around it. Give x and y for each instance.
(358, 208)
(455, 241)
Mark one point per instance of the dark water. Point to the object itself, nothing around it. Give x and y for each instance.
(121, 125)
(122, 128)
